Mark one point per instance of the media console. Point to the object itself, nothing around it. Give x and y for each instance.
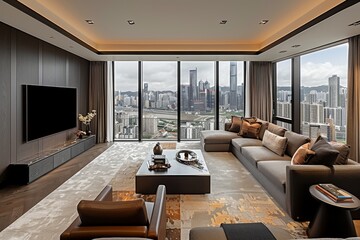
(28, 171)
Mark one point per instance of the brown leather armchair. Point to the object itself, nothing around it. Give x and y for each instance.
(105, 218)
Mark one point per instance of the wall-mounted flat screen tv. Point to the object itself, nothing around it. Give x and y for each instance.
(48, 110)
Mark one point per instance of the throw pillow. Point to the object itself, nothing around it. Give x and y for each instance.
(264, 126)
(344, 151)
(250, 129)
(301, 154)
(236, 122)
(276, 129)
(107, 213)
(274, 142)
(325, 154)
(295, 140)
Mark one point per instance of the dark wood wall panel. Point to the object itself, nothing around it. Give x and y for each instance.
(25, 59)
(5, 89)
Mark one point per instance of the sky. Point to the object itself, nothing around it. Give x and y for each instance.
(316, 68)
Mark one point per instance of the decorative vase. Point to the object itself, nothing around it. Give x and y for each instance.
(157, 149)
(87, 130)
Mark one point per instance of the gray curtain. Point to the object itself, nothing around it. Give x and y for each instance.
(353, 109)
(260, 90)
(98, 98)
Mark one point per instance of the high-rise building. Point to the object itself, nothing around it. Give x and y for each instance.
(233, 86)
(193, 88)
(146, 87)
(334, 91)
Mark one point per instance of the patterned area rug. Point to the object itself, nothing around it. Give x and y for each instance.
(235, 195)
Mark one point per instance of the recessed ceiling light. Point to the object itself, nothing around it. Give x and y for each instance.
(296, 45)
(264, 21)
(223, 21)
(131, 22)
(89, 21)
(52, 37)
(354, 24)
(283, 51)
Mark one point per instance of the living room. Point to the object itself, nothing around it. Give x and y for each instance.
(168, 84)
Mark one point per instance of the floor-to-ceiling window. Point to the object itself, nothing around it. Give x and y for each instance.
(197, 106)
(168, 100)
(159, 97)
(126, 122)
(283, 93)
(324, 93)
(231, 91)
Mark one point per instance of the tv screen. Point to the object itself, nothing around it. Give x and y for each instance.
(48, 110)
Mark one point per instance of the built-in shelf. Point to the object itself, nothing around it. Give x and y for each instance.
(27, 171)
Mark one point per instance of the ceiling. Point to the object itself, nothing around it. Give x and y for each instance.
(184, 30)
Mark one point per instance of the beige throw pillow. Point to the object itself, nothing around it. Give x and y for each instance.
(301, 154)
(274, 142)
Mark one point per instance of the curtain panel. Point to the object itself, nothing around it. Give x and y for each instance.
(353, 108)
(98, 99)
(260, 90)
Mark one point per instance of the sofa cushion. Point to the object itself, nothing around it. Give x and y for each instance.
(325, 154)
(344, 151)
(250, 129)
(276, 129)
(275, 172)
(236, 122)
(108, 213)
(255, 154)
(301, 154)
(295, 140)
(274, 142)
(238, 143)
(217, 136)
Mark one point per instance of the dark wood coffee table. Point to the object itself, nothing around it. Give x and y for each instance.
(178, 179)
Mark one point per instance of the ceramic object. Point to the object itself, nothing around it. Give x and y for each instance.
(157, 149)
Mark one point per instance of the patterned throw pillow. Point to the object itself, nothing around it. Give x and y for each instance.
(250, 129)
(236, 122)
(301, 154)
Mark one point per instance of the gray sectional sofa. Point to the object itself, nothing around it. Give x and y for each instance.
(287, 184)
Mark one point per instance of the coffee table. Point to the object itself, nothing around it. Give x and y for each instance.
(178, 179)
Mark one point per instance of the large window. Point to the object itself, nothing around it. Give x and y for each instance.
(197, 105)
(126, 122)
(177, 100)
(324, 93)
(159, 96)
(231, 91)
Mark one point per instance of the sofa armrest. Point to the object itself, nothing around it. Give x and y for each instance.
(105, 194)
(300, 205)
(157, 226)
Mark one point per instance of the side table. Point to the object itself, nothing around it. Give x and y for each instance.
(333, 219)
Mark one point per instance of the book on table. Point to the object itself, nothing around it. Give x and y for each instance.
(334, 193)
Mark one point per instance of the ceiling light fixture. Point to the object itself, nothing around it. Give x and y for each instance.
(89, 21)
(131, 22)
(296, 45)
(263, 22)
(223, 21)
(354, 24)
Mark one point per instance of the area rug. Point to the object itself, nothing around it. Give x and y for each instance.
(236, 197)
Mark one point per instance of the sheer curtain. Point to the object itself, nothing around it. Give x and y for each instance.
(260, 90)
(353, 118)
(98, 98)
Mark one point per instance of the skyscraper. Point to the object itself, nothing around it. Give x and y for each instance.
(233, 85)
(334, 91)
(193, 86)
